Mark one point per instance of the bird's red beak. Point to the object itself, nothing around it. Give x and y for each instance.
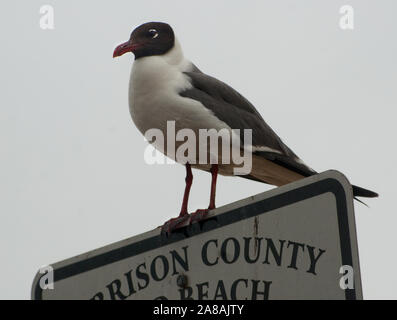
(125, 47)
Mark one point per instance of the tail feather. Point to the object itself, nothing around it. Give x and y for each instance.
(292, 165)
(361, 192)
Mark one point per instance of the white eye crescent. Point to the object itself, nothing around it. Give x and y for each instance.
(154, 33)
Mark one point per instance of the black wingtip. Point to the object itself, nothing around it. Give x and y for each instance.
(361, 192)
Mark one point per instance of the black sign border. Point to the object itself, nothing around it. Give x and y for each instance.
(261, 207)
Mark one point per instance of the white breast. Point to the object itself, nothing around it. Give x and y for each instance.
(153, 95)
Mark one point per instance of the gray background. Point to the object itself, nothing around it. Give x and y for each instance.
(72, 175)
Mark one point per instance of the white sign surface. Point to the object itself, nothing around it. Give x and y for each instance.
(287, 243)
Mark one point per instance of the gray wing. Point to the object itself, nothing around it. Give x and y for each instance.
(238, 113)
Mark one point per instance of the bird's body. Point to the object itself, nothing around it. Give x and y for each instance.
(156, 95)
(165, 86)
(154, 88)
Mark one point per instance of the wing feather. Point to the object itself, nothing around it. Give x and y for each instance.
(238, 113)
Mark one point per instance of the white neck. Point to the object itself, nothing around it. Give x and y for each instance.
(154, 73)
(174, 56)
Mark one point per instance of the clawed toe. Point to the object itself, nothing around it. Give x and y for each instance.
(198, 215)
(173, 224)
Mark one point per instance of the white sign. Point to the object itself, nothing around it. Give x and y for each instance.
(293, 242)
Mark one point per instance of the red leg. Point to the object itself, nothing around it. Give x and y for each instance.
(201, 213)
(189, 181)
(214, 174)
(174, 223)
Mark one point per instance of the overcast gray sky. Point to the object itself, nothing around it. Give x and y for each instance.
(72, 175)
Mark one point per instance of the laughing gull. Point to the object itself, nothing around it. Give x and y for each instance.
(164, 86)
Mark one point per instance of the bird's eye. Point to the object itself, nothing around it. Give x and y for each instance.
(153, 33)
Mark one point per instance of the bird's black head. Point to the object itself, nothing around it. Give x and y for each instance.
(149, 39)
